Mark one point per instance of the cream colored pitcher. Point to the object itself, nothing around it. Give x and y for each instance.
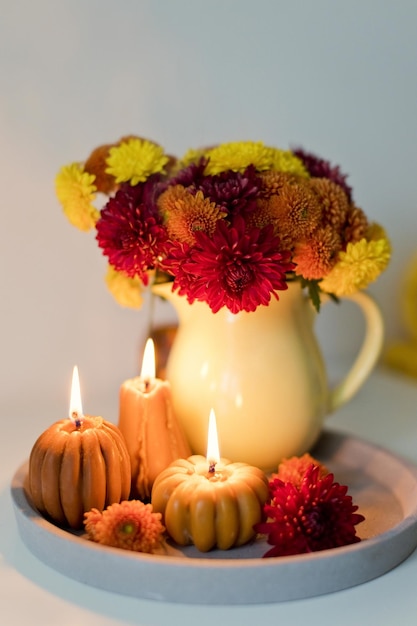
(263, 374)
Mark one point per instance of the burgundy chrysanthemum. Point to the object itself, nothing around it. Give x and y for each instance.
(191, 175)
(318, 515)
(235, 268)
(320, 168)
(234, 191)
(130, 231)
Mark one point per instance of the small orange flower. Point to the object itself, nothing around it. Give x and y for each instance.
(293, 470)
(272, 182)
(356, 225)
(130, 525)
(333, 200)
(316, 256)
(96, 164)
(90, 520)
(186, 213)
(295, 211)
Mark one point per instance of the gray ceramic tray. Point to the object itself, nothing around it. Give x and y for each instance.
(383, 485)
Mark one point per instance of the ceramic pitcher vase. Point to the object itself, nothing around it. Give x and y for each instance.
(263, 373)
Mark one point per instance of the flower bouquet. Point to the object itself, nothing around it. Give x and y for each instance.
(230, 225)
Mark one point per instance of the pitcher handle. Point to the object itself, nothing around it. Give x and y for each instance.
(368, 353)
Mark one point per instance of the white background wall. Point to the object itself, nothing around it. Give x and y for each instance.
(339, 78)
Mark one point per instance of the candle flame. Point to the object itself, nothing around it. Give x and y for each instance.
(76, 407)
(213, 453)
(148, 363)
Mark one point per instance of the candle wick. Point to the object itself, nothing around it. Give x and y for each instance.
(147, 384)
(212, 467)
(76, 419)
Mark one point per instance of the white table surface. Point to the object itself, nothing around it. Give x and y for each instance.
(383, 412)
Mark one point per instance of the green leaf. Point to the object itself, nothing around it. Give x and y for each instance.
(314, 291)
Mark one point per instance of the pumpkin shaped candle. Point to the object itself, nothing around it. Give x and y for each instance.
(210, 502)
(77, 464)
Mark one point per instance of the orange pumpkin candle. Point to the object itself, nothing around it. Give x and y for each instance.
(146, 418)
(77, 464)
(210, 502)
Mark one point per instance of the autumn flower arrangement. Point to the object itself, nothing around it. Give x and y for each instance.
(231, 224)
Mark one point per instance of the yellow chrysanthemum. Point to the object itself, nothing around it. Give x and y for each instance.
(191, 156)
(286, 161)
(76, 192)
(238, 155)
(361, 264)
(96, 164)
(135, 160)
(375, 232)
(126, 291)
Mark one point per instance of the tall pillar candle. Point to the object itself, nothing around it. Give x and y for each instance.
(147, 421)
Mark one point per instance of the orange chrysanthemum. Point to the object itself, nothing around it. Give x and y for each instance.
(295, 211)
(293, 470)
(96, 164)
(186, 213)
(356, 226)
(333, 200)
(272, 182)
(316, 256)
(90, 521)
(130, 525)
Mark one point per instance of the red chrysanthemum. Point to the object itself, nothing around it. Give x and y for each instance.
(317, 515)
(234, 267)
(130, 231)
(320, 168)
